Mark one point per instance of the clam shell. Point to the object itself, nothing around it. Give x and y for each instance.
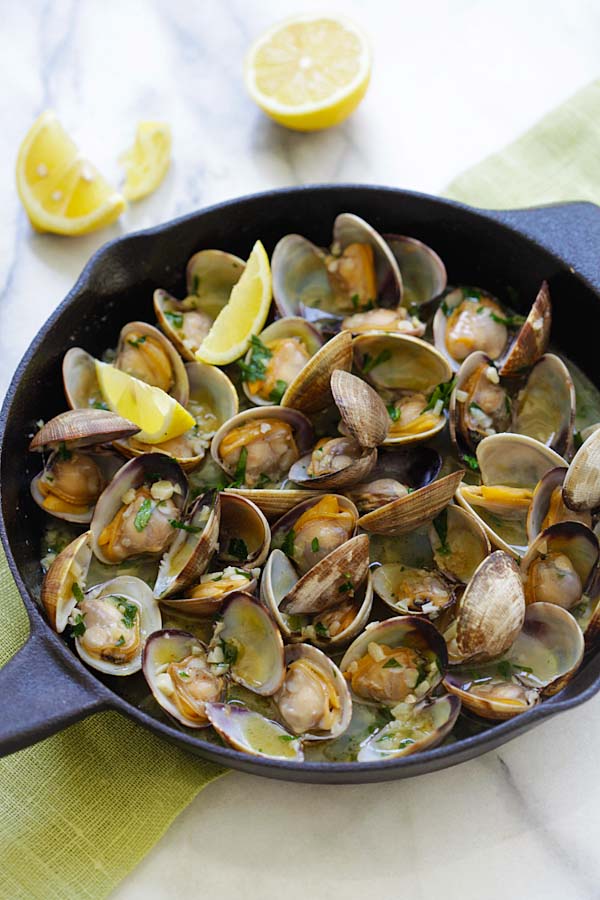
(423, 272)
(323, 586)
(69, 568)
(274, 503)
(407, 513)
(167, 646)
(412, 364)
(574, 540)
(533, 338)
(362, 410)
(292, 326)
(310, 391)
(109, 463)
(243, 520)
(387, 581)
(245, 729)
(299, 275)
(134, 591)
(540, 503)
(465, 547)
(451, 300)
(545, 407)
(351, 229)
(463, 438)
(189, 555)
(79, 379)
(491, 611)
(82, 428)
(286, 522)
(331, 672)
(581, 490)
(441, 711)
(208, 606)
(180, 389)
(357, 471)
(411, 465)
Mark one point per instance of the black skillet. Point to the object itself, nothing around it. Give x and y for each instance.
(45, 687)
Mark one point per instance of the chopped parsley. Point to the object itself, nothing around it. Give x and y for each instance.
(447, 310)
(100, 404)
(143, 514)
(278, 391)
(355, 299)
(78, 629)
(440, 523)
(243, 572)
(128, 611)
(262, 481)
(175, 318)
(240, 469)
(348, 584)
(471, 462)
(314, 545)
(256, 367)
(577, 440)
(288, 543)
(183, 674)
(393, 412)
(121, 641)
(237, 548)
(371, 362)
(62, 451)
(183, 526)
(509, 321)
(136, 342)
(287, 737)
(77, 592)
(392, 663)
(506, 669)
(471, 293)
(474, 405)
(230, 652)
(441, 392)
(507, 405)
(321, 629)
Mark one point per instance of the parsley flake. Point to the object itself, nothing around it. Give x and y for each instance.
(143, 514)
(440, 523)
(278, 391)
(370, 363)
(77, 592)
(314, 545)
(237, 548)
(175, 318)
(288, 543)
(183, 526)
(256, 367)
(471, 462)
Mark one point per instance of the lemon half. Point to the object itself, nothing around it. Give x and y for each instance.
(61, 191)
(310, 72)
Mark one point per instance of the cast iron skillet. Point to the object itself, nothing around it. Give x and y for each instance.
(45, 687)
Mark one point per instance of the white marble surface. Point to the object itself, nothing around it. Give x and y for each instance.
(452, 82)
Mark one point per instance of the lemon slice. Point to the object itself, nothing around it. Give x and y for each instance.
(61, 191)
(147, 162)
(310, 72)
(159, 416)
(244, 314)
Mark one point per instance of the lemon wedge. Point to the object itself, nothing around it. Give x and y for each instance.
(159, 416)
(146, 163)
(244, 314)
(310, 72)
(62, 192)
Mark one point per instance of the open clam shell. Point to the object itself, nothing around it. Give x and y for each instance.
(362, 410)
(313, 701)
(548, 507)
(417, 508)
(134, 474)
(326, 521)
(412, 591)
(459, 543)
(144, 352)
(64, 581)
(559, 564)
(545, 654)
(351, 229)
(398, 471)
(533, 337)
(193, 547)
(250, 732)
(358, 469)
(248, 645)
(479, 404)
(332, 580)
(208, 596)
(412, 730)
(545, 407)
(80, 382)
(244, 534)
(376, 675)
(511, 465)
(310, 391)
(468, 320)
(166, 649)
(274, 503)
(71, 482)
(581, 489)
(125, 590)
(298, 332)
(78, 428)
(491, 610)
(423, 272)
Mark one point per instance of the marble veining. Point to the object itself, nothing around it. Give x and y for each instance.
(452, 82)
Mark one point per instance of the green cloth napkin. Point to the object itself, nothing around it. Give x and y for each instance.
(558, 159)
(82, 808)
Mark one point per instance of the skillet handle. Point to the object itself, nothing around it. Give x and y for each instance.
(569, 230)
(39, 695)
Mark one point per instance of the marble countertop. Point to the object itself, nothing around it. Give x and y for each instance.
(453, 81)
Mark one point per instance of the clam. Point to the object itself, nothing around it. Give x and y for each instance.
(363, 412)
(274, 503)
(276, 358)
(581, 489)
(80, 381)
(541, 660)
(423, 272)
(401, 660)
(406, 513)
(532, 338)
(394, 321)
(192, 548)
(211, 276)
(459, 543)
(250, 732)
(258, 446)
(77, 428)
(315, 527)
(64, 582)
(334, 463)
(333, 579)
(548, 506)
(405, 371)
(470, 319)
(134, 512)
(397, 473)
(244, 535)
(246, 644)
(559, 564)
(111, 623)
(511, 465)
(359, 270)
(313, 700)
(310, 391)
(145, 353)
(180, 677)
(412, 591)
(479, 404)
(208, 596)
(545, 407)
(415, 727)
